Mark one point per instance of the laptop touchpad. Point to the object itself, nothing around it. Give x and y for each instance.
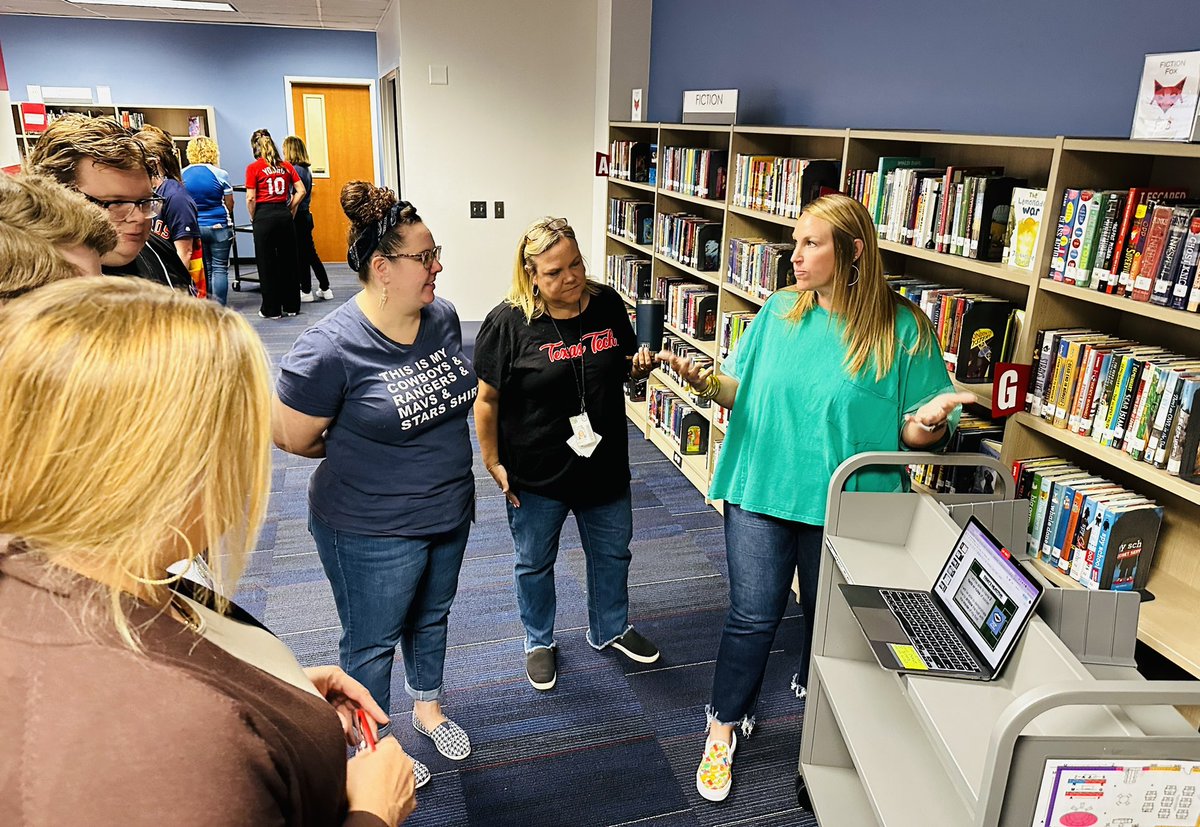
(880, 624)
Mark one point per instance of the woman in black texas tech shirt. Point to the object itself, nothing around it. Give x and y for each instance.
(550, 414)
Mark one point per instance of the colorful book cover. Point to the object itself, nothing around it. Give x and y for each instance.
(1166, 101)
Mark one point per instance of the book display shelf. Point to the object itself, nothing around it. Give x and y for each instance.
(1167, 621)
(182, 122)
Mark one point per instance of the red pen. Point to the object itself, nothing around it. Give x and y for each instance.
(364, 728)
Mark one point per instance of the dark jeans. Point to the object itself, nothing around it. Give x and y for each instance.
(310, 262)
(391, 590)
(604, 532)
(275, 252)
(216, 242)
(763, 552)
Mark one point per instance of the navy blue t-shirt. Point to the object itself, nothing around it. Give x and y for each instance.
(178, 218)
(398, 452)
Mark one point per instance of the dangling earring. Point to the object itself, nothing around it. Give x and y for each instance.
(166, 581)
(535, 291)
(383, 298)
(854, 267)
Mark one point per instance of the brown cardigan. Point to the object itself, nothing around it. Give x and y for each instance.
(183, 734)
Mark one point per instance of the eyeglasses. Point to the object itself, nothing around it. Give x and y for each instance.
(553, 225)
(119, 210)
(426, 257)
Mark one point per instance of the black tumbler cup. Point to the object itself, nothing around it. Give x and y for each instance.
(650, 317)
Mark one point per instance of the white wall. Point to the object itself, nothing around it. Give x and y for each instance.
(515, 124)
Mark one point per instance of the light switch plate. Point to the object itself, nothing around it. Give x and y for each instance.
(438, 74)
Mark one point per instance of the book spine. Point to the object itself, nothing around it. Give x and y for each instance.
(1144, 272)
(1091, 238)
(1133, 251)
(1168, 269)
(1062, 236)
(1187, 266)
(1083, 216)
(1107, 239)
(1128, 215)
(1156, 447)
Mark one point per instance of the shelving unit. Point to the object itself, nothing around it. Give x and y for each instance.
(1052, 163)
(171, 119)
(885, 748)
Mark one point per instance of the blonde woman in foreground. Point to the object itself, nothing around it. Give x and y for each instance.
(127, 703)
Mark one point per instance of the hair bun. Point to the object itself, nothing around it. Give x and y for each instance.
(365, 203)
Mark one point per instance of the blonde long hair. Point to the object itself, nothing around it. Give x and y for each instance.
(537, 239)
(128, 409)
(866, 304)
(264, 147)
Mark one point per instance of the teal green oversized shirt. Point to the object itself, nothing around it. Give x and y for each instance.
(799, 414)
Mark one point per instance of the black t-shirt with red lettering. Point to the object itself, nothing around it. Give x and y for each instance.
(271, 185)
(539, 367)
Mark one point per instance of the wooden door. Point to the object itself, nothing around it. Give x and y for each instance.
(348, 140)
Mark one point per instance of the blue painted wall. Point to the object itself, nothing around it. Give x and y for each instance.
(239, 70)
(1019, 67)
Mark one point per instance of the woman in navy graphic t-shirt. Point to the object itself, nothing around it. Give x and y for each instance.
(550, 416)
(381, 390)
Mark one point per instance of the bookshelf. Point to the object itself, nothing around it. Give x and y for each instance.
(172, 119)
(1051, 163)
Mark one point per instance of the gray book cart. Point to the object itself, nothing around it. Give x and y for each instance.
(881, 748)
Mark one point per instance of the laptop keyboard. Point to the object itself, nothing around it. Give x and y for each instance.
(932, 636)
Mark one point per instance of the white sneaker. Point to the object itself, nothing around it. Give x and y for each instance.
(307, 297)
(327, 293)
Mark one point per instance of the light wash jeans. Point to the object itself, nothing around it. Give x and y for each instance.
(216, 241)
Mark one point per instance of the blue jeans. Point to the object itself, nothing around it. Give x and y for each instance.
(391, 590)
(604, 532)
(216, 241)
(763, 552)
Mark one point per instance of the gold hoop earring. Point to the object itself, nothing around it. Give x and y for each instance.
(536, 292)
(383, 298)
(166, 581)
(854, 267)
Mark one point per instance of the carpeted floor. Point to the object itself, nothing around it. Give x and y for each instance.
(615, 743)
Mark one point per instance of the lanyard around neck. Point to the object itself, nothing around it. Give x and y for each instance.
(580, 373)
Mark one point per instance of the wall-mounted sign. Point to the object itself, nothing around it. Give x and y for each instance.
(710, 106)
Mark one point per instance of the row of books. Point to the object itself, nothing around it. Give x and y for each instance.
(632, 161)
(686, 427)
(975, 331)
(733, 326)
(683, 350)
(1142, 243)
(131, 120)
(1100, 533)
(1122, 394)
(781, 186)
(690, 239)
(629, 275)
(975, 435)
(695, 171)
(631, 219)
(760, 267)
(958, 210)
(690, 307)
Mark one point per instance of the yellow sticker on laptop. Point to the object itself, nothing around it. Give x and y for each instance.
(907, 656)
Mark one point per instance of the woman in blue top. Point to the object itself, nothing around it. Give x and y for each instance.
(380, 390)
(209, 187)
(839, 365)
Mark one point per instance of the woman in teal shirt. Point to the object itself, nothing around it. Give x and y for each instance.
(840, 365)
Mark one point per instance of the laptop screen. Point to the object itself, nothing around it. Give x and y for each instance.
(986, 591)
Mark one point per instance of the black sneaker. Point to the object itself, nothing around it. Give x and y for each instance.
(540, 668)
(635, 647)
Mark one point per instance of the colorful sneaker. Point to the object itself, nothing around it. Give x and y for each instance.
(540, 668)
(420, 773)
(447, 736)
(714, 776)
(635, 647)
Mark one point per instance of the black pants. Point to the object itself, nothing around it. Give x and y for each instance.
(275, 252)
(309, 261)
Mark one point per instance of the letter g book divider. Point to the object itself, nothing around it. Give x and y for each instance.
(884, 748)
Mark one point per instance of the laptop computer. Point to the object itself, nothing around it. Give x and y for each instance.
(966, 626)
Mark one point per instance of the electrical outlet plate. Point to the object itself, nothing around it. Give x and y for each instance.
(498, 210)
(479, 209)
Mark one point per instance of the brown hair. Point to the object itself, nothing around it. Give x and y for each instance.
(264, 147)
(74, 138)
(367, 206)
(294, 150)
(162, 150)
(37, 217)
(861, 294)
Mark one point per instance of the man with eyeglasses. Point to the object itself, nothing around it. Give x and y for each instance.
(105, 163)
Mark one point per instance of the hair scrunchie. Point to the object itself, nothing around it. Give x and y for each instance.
(368, 240)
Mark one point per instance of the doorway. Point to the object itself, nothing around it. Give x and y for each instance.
(336, 121)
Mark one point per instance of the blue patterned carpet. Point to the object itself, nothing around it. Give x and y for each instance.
(615, 743)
